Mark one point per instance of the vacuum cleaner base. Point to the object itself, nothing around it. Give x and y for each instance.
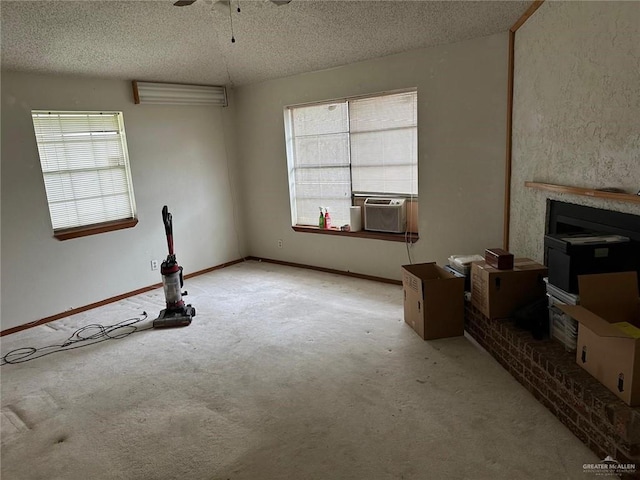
(175, 318)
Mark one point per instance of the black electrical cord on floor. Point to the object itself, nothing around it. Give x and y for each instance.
(83, 337)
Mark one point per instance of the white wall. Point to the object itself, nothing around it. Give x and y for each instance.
(461, 146)
(576, 117)
(179, 157)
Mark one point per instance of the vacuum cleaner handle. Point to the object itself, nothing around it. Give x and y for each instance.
(168, 227)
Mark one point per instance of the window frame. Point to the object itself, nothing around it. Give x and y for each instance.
(67, 233)
(406, 237)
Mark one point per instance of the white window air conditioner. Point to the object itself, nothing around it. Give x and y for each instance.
(385, 215)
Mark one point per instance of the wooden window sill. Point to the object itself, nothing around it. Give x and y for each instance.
(76, 232)
(391, 237)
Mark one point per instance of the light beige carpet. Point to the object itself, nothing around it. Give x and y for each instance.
(285, 373)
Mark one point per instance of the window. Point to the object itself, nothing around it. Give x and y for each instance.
(85, 166)
(341, 150)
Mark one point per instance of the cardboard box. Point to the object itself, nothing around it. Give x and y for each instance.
(499, 293)
(608, 344)
(433, 301)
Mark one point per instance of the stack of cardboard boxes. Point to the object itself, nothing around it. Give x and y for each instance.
(434, 296)
(608, 339)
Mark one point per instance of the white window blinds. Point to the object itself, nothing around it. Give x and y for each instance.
(320, 136)
(384, 139)
(85, 166)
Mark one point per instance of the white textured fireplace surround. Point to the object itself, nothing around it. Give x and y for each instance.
(576, 111)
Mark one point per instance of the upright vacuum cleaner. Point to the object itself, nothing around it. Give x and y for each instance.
(177, 314)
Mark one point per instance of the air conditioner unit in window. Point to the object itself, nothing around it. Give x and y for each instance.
(385, 215)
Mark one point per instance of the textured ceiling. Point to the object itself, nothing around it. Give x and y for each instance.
(154, 40)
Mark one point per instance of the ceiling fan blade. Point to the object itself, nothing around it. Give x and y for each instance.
(183, 3)
(281, 2)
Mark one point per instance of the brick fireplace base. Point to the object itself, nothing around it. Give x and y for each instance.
(594, 414)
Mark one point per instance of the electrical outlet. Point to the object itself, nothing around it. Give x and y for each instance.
(154, 264)
(280, 243)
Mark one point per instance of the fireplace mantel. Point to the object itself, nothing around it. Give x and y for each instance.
(585, 192)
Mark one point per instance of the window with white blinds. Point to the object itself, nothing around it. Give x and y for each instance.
(320, 143)
(85, 166)
(384, 144)
(365, 146)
